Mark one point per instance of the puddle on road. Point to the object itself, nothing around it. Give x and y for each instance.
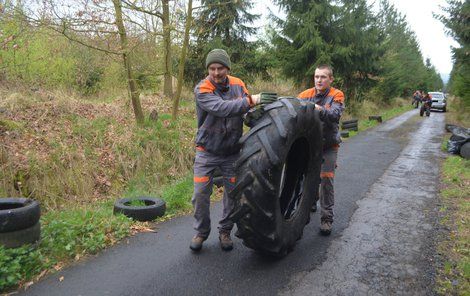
(387, 248)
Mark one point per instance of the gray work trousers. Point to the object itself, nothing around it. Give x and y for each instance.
(327, 192)
(204, 165)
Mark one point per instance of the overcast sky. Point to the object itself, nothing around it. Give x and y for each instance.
(433, 41)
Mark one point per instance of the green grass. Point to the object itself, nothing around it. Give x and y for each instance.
(454, 275)
(65, 235)
(69, 234)
(178, 195)
(386, 114)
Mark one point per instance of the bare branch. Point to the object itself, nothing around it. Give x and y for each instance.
(141, 9)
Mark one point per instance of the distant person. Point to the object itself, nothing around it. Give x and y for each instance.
(426, 105)
(417, 96)
(330, 103)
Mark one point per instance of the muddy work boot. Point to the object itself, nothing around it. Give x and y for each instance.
(325, 227)
(225, 241)
(196, 242)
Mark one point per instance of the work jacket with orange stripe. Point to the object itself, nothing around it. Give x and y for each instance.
(332, 102)
(219, 110)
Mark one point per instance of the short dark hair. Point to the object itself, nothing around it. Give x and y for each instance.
(326, 66)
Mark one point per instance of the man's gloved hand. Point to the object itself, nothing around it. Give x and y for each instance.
(259, 100)
(264, 98)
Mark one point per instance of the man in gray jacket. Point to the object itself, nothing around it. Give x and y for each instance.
(221, 100)
(329, 101)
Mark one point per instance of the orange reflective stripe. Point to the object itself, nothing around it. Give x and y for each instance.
(335, 147)
(200, 148)
(237, 81)
(327, 175)
(232, 179)
(206, 87)
(337, 95)
(202, 179)
(307, 94)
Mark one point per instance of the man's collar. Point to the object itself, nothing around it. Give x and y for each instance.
(322, 94)
(223, 87)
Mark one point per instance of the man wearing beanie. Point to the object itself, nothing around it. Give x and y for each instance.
(221, 100)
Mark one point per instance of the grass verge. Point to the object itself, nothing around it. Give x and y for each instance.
(398, 107)
(68, 235)
(454, 274)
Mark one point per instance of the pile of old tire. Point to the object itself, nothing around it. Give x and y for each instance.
(278, 176)
(459, 142)
(378, 118)
(150, 209)
(350, 125)
(19, 222)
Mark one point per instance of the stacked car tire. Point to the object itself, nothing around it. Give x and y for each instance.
(19, 222)
(350, 125)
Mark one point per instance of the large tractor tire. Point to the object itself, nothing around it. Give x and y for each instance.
(278, 176)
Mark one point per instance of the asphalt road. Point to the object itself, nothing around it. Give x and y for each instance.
(161, 263)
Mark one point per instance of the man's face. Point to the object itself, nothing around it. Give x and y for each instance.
(323, 79)
(218, 72)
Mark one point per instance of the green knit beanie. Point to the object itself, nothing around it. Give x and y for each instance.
(218, 56)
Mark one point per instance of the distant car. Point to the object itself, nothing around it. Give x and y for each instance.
(439, 101)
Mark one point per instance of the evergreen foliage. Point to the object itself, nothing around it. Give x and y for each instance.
(368, 52)
(226, 25)
(372, 54)
(457, 21)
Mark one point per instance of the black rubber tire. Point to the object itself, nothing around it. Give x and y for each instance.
(349, 125)
(344, 134)
(154, 208)
(18, 213)
(444, 109)
(465, 150)
(349, 121)
(355, 128)
(286, 142)
(421, 112)
(378, 118)
(14, 239)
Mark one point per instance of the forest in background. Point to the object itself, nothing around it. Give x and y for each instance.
(101, 48)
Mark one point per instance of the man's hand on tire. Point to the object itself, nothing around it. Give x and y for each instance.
(259, 100)
(264, 98)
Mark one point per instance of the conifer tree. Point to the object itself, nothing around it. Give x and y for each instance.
(457, 21)
(228, 25)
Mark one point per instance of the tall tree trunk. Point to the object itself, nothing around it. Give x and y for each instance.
(187, 27)
(167, 85)
(139, 115)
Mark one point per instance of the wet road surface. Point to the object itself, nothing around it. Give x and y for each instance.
(388, 247)
(385, 193)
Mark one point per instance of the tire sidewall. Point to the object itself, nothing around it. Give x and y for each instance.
(141, 213)
(19, 218)
(290, 230)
